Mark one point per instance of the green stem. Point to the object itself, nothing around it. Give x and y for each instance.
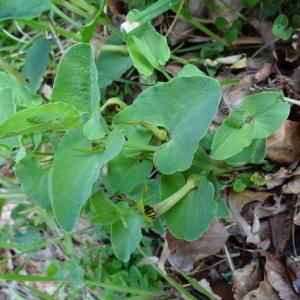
(85, 6)
(137, 146)
(106, 22)
(115, 48)
(45, 27)
(74, 9)
(161, 134)
(169, 202)
(6, 67)
(36, 278)
(66, 18)
(153, 11)
(12, 196)
(112, 102)
(185, 14)
(161, 70)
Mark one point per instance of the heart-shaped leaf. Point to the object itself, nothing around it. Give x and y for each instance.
(53, 116)
(37, 59)
(74, 173)
(106, 212)
(112, 64)
(268, 111)
(76, 81)
(34, 181)
(126, 233)
(147, 48)
(125, 173)
(191, 216)
(185, 107)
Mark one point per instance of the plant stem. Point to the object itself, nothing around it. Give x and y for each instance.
(175, 18)
(45, 27)
(112, 102)
(153, 11)
(169, 202)
(292, 101)
(12, 196)
(74, 9)
(115, 48)
(84, 5)
(66, 18)
(186, 16)
(161, 134)
(146, 148)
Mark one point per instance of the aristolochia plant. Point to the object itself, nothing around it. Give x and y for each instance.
(129, 167)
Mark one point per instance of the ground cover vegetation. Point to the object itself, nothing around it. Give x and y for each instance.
(149, 149)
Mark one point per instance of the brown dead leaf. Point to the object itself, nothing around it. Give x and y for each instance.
(293, 186)
(296, 78)
(284, 145)
(264, 72)
(208, 244)
(281, 227)
(234, 94)
(278, 278)
(297, 219)
(246, 279)
(282, 175)
(236, 203)
(203, 282)
(263, 292)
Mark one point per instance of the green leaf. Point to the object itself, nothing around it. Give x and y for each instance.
(280, 24)
(55, 116)
(268, 111)
(244, 156)
(126, 173)
(22, 9)
(190, 70)
(250, 3)
(185, 107)
(7, 108)
(126, 234)
(134, 134)
(7, 104)
(112, 65)
(254, 153)
(106, 212)
(152, 11)
(88, 29)
(191, 216)
(147, 48)
(23, 97)
(260, 151)
(221, 23)
(74, 173)
(287, 34)
(232, 136)
(94, 128)
(36, 62)
(34, 181)
(76, 81)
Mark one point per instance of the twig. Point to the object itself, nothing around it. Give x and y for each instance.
(228, 258)
(175, 18)
(59, 44)
(292, 101)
